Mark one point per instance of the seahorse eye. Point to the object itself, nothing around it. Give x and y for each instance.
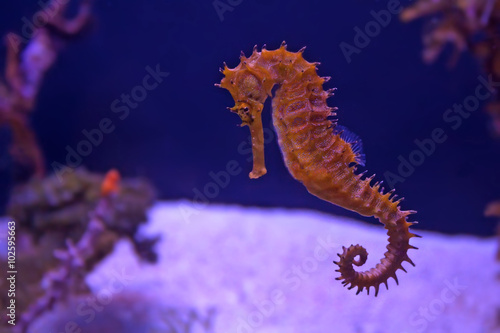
(243, 110)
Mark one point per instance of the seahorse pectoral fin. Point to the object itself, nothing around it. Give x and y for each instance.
(250, 114)
(354, 141)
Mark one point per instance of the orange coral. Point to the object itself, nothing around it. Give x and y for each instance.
(111, 183)
(24, 73)
(316, 152)
(493, 210)
(467, 25)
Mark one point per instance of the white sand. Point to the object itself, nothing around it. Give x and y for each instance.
(271, 270)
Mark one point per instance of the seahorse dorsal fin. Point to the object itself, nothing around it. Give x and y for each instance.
(354, 140)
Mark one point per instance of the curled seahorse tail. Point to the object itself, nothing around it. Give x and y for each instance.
(396, 222)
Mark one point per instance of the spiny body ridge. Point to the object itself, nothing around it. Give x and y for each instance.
(317, 153)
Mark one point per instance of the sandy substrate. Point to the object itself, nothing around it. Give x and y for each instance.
(233, 269)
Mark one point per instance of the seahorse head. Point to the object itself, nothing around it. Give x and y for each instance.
(247, 91)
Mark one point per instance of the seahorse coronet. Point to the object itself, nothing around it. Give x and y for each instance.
(317, 154)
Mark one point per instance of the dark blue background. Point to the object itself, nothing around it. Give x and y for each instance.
(182, 131)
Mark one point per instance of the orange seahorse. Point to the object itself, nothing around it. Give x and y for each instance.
(317, 152)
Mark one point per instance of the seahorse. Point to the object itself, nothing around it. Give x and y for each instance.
(318, 152)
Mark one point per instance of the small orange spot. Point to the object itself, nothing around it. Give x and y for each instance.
(111, 182)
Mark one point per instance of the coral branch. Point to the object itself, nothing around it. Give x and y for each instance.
(493, 210)
(25, 69)
(69, 277)
(471, 25)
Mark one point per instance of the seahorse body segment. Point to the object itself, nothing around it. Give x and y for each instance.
(316, 153)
